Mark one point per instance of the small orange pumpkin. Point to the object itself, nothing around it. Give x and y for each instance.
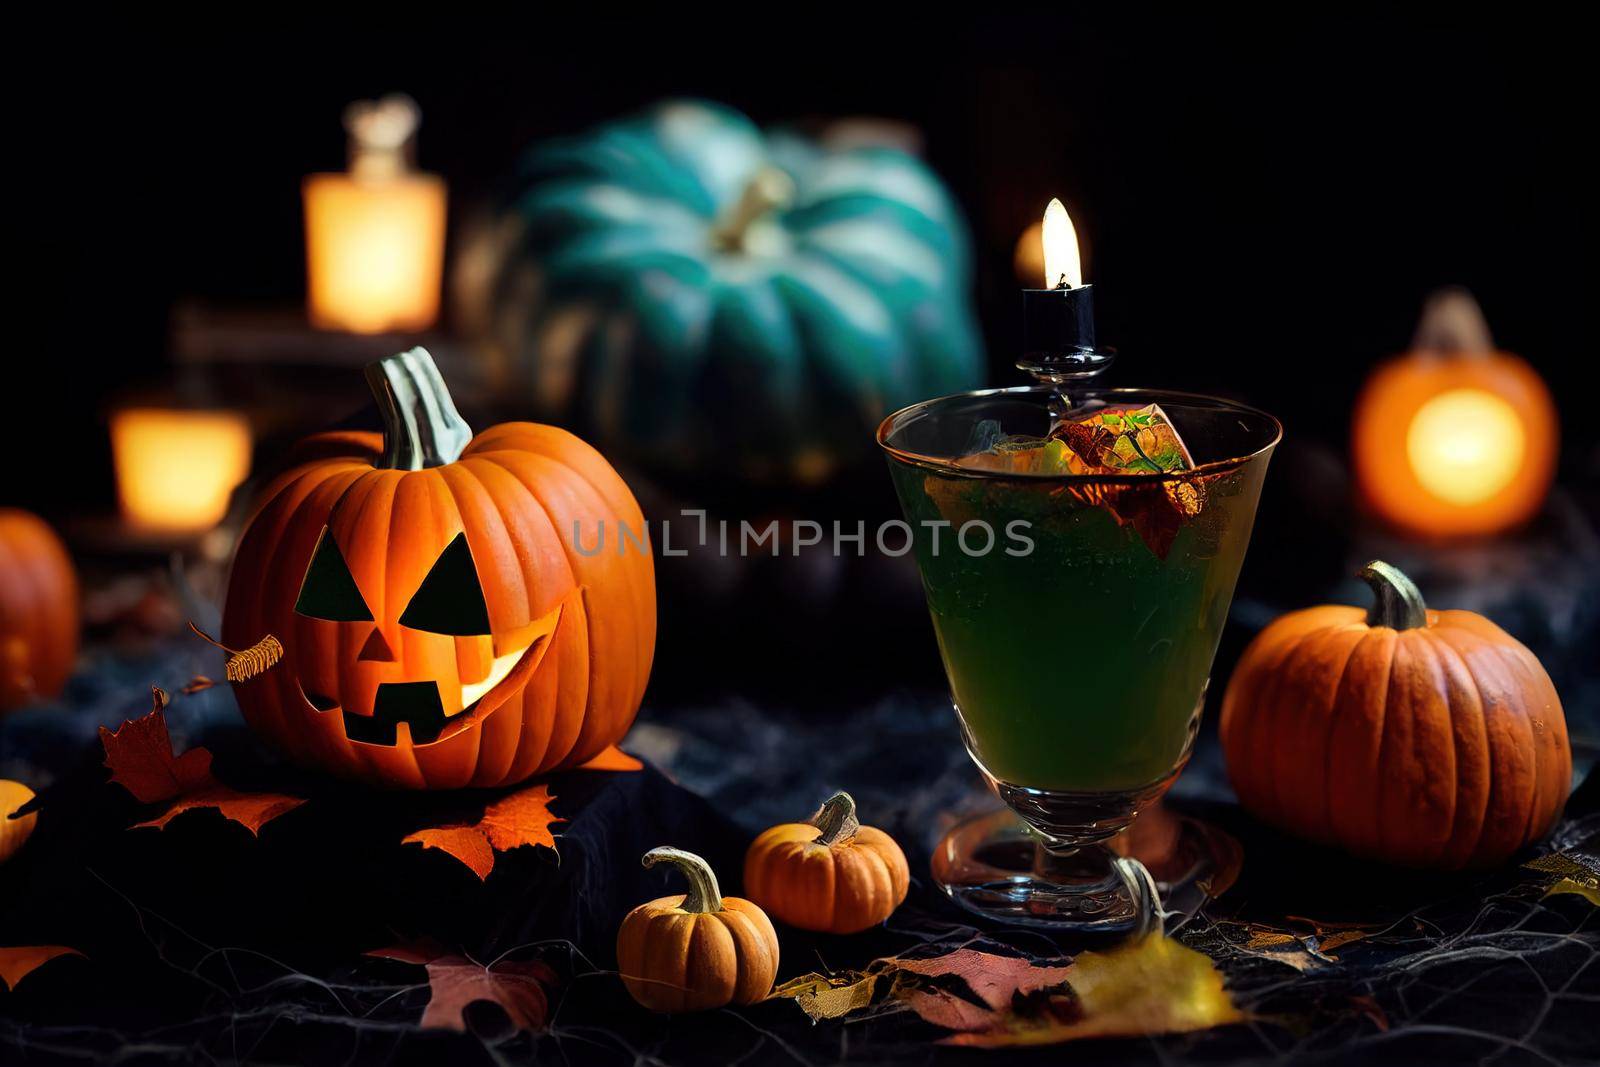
(14, 833)
(1416, 737)
(699, 950)
(455, 610)
(38, 610)
(830, 874)
(1454, 439)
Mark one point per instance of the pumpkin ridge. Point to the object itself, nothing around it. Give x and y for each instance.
(1267, 734)
(464, 472)
(1383, 636)
(1495, 787)
(1457, 856)
(597, 684)
(880, 876)
(1329, 722)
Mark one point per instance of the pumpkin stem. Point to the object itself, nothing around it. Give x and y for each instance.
(767, 189)
(1399, 605)
(1452, 322)
(836, 819)
(421, 427)
(704, 896)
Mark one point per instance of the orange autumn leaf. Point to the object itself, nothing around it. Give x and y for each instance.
(20, 961)
(139, 754)
(454, 981)
(613, 759)
(520, 818)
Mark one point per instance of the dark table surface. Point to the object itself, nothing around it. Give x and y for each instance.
(205, 944)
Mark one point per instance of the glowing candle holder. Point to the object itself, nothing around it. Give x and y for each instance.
(176, 468)
(375, 235)
(1454, 439)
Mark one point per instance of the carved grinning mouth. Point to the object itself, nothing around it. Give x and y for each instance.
(419, 704)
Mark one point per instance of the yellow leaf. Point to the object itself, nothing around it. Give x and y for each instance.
(822, 997)
(1151, 986)
(1588, 888)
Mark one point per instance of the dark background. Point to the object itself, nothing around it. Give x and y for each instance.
(1266, 201)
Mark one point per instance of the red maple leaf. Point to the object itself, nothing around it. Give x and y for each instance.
(455, 981)
(139, 754)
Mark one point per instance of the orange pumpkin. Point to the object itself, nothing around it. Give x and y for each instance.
(38, 610)
(830, 874)
(699, 950)
(453, 612)
(1454, 439)
(1422, 738)
(14, 833)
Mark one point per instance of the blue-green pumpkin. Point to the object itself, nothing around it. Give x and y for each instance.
(698, 296)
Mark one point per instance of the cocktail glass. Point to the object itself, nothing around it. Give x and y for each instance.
(1077, 616)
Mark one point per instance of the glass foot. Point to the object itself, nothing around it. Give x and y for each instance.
(992, 865)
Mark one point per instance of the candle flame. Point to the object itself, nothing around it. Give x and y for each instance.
(1062, 267)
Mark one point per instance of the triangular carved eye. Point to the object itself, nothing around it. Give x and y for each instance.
(450, 600)
(329, 592)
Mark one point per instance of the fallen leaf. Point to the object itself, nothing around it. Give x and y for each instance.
(520, 818)
(994, 980)
(824, 997)
(140, 757)
(1572, 876)
(613, 759)
(250, 810)
(1152, 986)
(19, 962)
(198, 684)
(455, 981)
(1589, 889)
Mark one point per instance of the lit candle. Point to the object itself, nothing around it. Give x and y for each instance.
(1058, 341)
(175, 469)
(375, 235)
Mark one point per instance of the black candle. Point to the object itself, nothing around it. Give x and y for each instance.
(1058, 338)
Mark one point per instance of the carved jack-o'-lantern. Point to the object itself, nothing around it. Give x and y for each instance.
(446, 617)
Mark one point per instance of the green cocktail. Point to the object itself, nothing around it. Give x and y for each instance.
(1078, 603)
(1079, 665)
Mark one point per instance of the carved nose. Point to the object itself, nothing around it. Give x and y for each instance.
(376, 648)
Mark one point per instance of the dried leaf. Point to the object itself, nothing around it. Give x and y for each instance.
(613, 759)
(198, 684)
(996, 981)
(140, 757)
(1152, 986)
(1588, 888)
(1573, 875)
(244, 664)
(521, 818)
(1304, 951)
(455, 981)
(19, 962)
(824, 997)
